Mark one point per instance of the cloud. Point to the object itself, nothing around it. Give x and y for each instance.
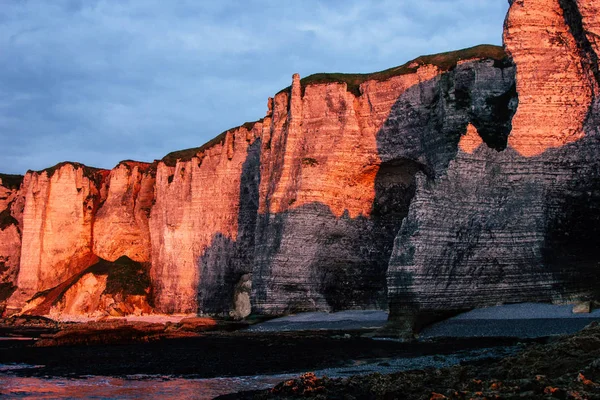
(98, 81)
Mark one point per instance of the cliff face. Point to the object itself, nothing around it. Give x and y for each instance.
(63, 220)
(455, 181)
(202, 224)
(328, 208)
(121, 225)
(10, 235)
(188, 220)
(519, 224)
(59, 205)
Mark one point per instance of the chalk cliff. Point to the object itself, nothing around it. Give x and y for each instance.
(202, 224)
(455, 181)
(59, 206)
(519, 224)
(121, 225)
(10, 235)
(331, 199)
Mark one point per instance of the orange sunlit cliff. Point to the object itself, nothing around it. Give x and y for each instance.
(457, 180)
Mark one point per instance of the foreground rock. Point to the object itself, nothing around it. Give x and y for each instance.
(568, 368)
(123, 331)
(108, 331)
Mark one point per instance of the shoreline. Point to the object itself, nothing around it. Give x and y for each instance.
(214, 353)
(566, 367)
(146, 386)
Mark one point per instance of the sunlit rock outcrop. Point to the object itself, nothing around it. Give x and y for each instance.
(121, 224)
(59, 207)
(105, 289)
(202, 222)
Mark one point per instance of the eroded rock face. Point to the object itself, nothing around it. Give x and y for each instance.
(333, 196)
(121, 224)
(59, 206)
(518, 224)
(81, 299)
(115, 289)
(202, 225)
(10, 235)
(242, 306)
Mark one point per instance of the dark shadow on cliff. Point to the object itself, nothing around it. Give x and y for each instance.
(225, 261)
(424, 128)
(572, 212)
(572, 237)
(309, 259)
(493, 226)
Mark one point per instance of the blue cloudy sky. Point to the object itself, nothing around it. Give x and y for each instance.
(99, 81)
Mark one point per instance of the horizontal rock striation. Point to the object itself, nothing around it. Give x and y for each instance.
(518, 224)
(455, 181)
(331, 199)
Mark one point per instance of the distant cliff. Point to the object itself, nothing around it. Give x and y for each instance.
(455, 181)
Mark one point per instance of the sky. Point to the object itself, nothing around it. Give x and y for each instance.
(100, 81)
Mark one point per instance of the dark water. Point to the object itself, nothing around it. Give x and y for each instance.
(167, 387)
(134, 387)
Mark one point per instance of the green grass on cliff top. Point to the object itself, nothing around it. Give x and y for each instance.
(444, 61)
(187, 154)
(88, 172)
(11, 181)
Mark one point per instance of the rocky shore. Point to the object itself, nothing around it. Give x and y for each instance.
(567, 367)
(45, 332)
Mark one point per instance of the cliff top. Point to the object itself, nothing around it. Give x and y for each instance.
(142, 165)
(444, 61)
(88, 172)
(11, 181)
(187, 154)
